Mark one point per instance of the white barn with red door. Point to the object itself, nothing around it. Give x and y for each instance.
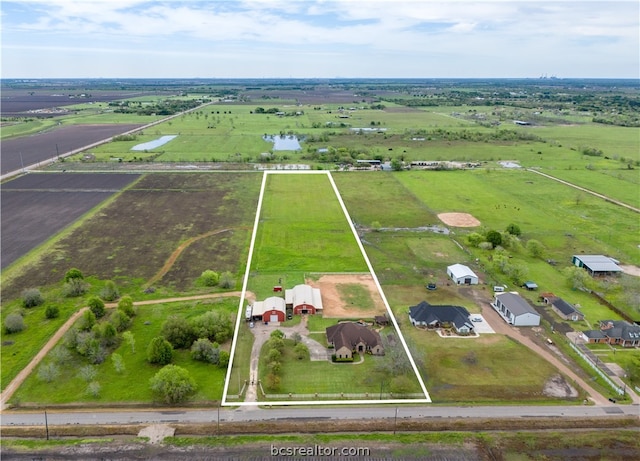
(271, 310)
(303, 299)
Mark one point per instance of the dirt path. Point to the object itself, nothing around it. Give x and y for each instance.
(35, 361)
(178, 251)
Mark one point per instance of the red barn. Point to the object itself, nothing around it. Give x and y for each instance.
(303, 299)
(270, 310)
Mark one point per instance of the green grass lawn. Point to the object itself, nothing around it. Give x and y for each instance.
(117, 387)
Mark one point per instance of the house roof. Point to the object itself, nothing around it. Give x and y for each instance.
(594, 334)
(349, 334)
(599, 263)
(564, 307)
(621, 329)
(425, 312)
(304, 294)
(516, 304)
(460, 270)
(273, 302)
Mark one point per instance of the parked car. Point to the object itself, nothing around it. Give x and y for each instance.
(476, 319)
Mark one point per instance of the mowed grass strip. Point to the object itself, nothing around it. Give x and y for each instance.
(302, 227)
(132, 384)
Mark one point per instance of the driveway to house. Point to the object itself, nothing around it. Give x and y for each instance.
(35, 361)
(502, 327)
(262, 333)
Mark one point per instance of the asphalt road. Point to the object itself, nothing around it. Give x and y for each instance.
(243, 414)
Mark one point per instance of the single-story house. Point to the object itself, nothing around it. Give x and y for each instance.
(597, 264)
(461, 274)
(348, 338)
(565, 310)
(457, 317)
(272, 310)
(614, 333)
(303, 299)
(515, 310)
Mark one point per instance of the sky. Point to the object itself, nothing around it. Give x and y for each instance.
(319, 39)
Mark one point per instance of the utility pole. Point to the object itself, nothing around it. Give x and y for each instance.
(395, 422)
(46, 423)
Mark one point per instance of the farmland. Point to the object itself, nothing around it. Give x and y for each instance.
(159, 231)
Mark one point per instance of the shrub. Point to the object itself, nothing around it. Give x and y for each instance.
(118, 363)
(213, 325)
(87, 321)
(87, 373)
(494, 237)
(119, 320)
(73, 274)
(205, 351)
(97, 306)
(126, 305)
(514, 229)
(178, 332)
(74, 288)
(32, 297)
(14, 323)
(223, 359)
(109, 292)
(48, 372)
(301, 351)
(159, 351)
(93, 389)
(210, 278)
(226, 280)
(173, 384)
(51, 312)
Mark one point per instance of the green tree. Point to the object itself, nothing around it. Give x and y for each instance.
(226, 280)
(301, 351)
(213, 325)
(73, 274)
(51, 311)
(48, 372)
(514, 229)
(119, 320)
(97, 306)
(125, 304)
(94, 389)
(577, 277)
(277, 334)
(173, 384)
(494, 237)
(277, 344)
(109, 334)
(274, 355)
(74, 287)
(110, 291)
(159, 351)
(118, 363)
(273, 381)
(32, 297)
(87, 320)
(296, 338)
(223, 358)
(210, 278)
(130, 340)
(396, 164)
(87, 373)
(178, 331)
(14, 323)
(475, 239)
(204, 351)
(535, 248)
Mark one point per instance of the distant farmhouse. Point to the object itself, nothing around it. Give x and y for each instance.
(614, 333)
(348, 338)
(271, 310)
(457, 317)
(597, 265)
(515, 310)
(303, 299)
(462, 275)
(565, 310)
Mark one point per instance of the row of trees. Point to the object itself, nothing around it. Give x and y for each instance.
(275, 351)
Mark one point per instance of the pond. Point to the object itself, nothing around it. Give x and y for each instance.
(289, 142)
(155, 143)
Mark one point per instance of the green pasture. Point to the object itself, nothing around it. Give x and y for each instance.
(479, 369)
(117, 387)
(241, 360)
(303, 228)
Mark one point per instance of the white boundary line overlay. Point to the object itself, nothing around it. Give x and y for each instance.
(224, 401)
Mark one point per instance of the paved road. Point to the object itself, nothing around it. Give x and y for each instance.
(89, 417)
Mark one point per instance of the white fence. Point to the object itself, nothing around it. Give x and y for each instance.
(615, 387)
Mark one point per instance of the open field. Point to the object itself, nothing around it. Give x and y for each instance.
(37, 206)
(25, 151)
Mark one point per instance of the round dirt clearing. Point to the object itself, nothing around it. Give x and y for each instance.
(458, 219)
(333, 303)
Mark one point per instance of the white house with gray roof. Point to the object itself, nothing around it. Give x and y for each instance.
(515, 310)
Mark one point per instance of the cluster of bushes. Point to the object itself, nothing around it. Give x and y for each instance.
(210, 278)
(202, 334)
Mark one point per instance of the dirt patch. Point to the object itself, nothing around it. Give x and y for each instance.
(157, 432)
(557, 386)
(631, 270)
(336, 307)
(458, 219)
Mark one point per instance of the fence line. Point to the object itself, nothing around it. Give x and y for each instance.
(342, 395)
(615, 387)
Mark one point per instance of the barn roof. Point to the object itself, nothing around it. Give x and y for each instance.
(460, 271)
(516, 304)
(273, 302)
(304, 294)
(598, 263)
